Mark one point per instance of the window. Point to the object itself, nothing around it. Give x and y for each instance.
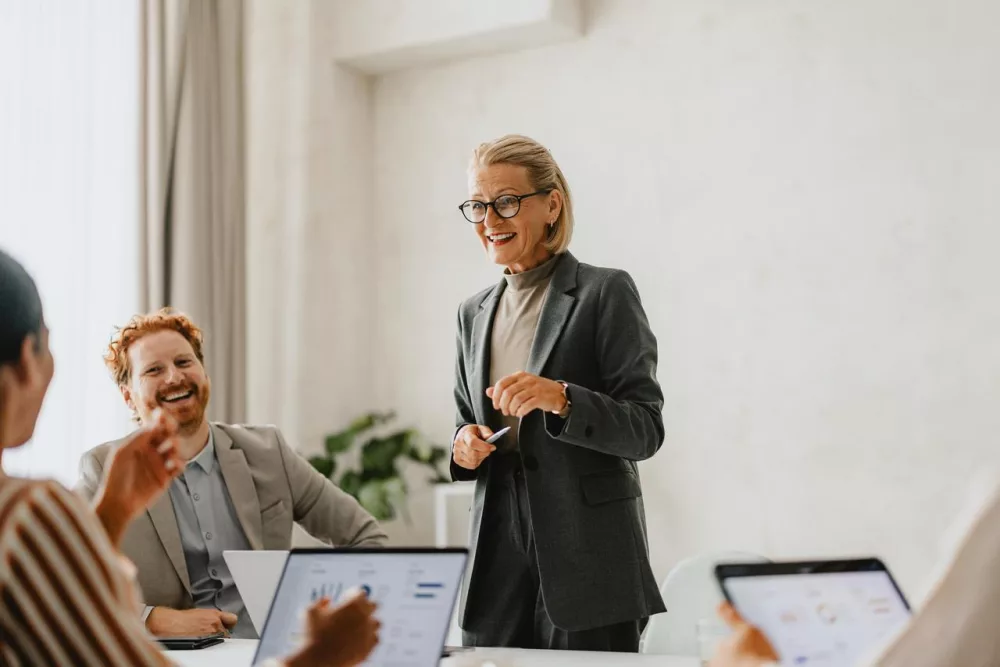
(69, 204)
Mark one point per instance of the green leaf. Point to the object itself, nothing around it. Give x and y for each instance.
(323, 465)
(395, 491)
(427, 454)
(339, 442)
(374, 496)
(378, 455)
(371, 420)
(350, 482)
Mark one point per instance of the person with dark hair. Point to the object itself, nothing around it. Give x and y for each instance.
(67, 595)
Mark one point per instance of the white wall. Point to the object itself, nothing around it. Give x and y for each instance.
(69, 152)
(310, 256)
(806, 195)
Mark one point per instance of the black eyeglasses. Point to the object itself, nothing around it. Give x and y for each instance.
(505, 206)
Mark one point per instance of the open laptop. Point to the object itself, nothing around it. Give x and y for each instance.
(823, 613)
(256, 575)
(415, 590)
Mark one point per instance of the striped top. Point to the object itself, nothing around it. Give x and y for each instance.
(66, 594)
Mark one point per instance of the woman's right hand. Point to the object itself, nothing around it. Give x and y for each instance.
(137, 472)
(341, 636)
(471, 448)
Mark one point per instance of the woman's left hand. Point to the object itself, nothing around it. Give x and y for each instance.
(519, 393)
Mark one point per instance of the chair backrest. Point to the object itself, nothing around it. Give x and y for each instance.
(691, 594)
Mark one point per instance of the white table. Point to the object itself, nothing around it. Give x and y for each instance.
(239, 653)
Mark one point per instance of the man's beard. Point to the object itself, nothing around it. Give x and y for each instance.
(195, 416)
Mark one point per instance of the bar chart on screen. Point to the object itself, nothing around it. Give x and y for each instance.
(414, 595)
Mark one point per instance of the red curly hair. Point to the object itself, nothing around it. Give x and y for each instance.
(165, 319)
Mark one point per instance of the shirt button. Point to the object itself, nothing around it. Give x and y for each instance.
(208, 536)
(215, 573)
(197, 497)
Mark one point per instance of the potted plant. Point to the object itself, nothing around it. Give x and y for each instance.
(377, 483)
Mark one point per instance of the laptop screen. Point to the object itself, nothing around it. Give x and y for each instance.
(415, 591)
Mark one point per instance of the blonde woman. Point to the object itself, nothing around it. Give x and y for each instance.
(562, 353)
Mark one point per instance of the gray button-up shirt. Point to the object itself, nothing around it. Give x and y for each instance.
(208, 526)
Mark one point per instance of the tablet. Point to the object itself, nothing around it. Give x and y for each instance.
(826, 613)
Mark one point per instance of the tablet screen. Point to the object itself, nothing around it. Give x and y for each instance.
(827, 618)
(415, 592)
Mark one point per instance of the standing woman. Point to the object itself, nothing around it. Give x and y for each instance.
(562, 353)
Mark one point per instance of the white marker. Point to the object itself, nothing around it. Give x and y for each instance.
(496, 436)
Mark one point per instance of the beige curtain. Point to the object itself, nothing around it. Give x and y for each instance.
(193, 240)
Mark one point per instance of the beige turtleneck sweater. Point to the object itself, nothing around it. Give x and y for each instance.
(514, 330)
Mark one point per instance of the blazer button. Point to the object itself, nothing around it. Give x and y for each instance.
(530, 462)
(588, 431)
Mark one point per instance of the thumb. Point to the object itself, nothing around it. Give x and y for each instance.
(485, 432)
(229, 620)
(315, 610)
(729, 614)
(489, 391)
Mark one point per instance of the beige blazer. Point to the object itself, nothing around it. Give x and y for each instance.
(271, 487)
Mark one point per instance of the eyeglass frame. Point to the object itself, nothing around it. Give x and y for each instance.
(488, 204)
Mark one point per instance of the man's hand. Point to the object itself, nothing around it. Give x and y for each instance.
(166, 622)
(136, 474)
(520, 393)
(746, 647)
(341, 636)
(471, 448)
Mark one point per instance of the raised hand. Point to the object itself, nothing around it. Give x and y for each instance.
(341, 636)
(137, 472)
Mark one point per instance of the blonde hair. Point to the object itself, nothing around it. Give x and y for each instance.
(543, 172)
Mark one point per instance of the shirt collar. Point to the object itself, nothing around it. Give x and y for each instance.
(206, 457)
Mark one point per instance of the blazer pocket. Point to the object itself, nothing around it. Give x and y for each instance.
(605, 487)
(273, 510)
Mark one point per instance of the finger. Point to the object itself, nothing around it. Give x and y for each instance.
(228, 619)
(519, 395)
(464, 462)
(501, 385)
(732, 618)
(470, 461)
(354, 596)
(468, 435)
(174, 465)
(484, 432)
(480, 447)
(503, 403)
(527, 407)
(521, 383)
(315, 610)
(475, 457)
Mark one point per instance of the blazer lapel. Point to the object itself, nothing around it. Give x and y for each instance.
(165, 522)
(239, 483)
(555, 313)
(482, 327)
